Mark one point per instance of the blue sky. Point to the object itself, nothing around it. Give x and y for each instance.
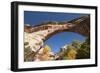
(58, 40)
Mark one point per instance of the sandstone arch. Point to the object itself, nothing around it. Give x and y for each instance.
(80, 25)
(36, 35)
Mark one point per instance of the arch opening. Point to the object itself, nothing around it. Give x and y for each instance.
(61, 39)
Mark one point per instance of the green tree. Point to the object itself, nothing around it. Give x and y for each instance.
(68, 53)
(76, 50)
(76, 44)
(84, 51)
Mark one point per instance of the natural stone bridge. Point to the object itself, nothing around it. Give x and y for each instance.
(80, 26)
(36, 35)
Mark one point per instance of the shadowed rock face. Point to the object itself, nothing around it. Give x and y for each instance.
(82, 25)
